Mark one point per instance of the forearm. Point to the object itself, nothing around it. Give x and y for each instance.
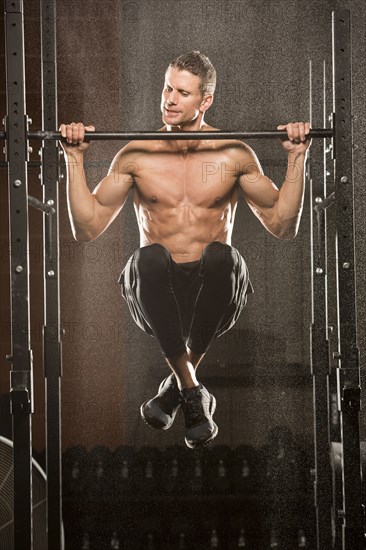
(79, 198)
(291, 197)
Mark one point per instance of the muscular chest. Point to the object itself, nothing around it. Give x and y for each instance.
(173, 179)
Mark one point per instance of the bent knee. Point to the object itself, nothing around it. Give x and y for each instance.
(152, 261)
(220, 256)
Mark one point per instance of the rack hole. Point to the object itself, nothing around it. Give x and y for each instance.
(15, 112)
(19, 240)
(17, 211)
(15, 83)
(342, 49)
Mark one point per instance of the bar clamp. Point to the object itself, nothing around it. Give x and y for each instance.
(21, 392)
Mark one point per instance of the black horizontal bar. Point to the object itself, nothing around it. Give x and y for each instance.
(321, 133)
(39, 205)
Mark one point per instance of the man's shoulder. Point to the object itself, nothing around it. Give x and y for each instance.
(133, 148)
(140, 145)
(237, 146)
(236, 149)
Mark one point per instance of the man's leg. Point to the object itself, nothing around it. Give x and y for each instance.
(195, 358)
(222, 287)
(184, 370)
(215, 300)
(156, 298)
(184, 367)
(154, 305)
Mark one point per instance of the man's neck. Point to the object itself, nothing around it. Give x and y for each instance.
(192, 126)
(183, 146)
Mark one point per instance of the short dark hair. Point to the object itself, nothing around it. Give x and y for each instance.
(198, 64)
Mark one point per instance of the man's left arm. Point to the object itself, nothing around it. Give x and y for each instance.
(280, 210)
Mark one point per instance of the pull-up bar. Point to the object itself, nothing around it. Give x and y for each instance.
(320, 133)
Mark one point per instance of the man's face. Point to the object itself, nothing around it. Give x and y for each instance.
(181, 99)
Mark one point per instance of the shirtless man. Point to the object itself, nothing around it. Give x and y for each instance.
(186, 285)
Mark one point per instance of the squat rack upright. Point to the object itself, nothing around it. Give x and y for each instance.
(17, 136)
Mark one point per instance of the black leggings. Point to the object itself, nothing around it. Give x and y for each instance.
(186, 304)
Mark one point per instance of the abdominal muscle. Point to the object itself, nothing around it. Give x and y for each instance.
(186, 230)
(186, 202)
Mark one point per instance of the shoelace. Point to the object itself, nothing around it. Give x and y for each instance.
(194, 409)
(171, 396)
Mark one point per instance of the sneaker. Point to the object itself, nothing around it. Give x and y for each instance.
(160, 411)
(198, 407)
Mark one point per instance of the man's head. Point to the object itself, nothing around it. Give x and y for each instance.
(190, 82)
(200, 65)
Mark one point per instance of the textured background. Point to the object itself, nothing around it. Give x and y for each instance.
(111, 62)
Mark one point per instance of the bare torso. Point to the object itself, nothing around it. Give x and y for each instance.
(185, 194)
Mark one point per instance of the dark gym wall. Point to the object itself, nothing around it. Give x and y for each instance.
(111, 63)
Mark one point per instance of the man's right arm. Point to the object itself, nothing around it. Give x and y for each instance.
(91, 213)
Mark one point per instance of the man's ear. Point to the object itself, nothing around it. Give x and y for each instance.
(206, 103)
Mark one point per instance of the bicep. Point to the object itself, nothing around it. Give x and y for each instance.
(259, 190)
(110, 195)
(261, 195)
